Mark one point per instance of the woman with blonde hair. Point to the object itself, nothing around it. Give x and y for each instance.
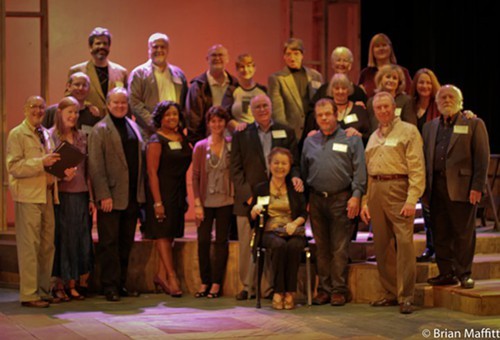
(380, 53)
(73, 258)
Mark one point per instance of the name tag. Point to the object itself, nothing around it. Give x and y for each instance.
(87, 129)
(398, 112)
(119, 84)
(339, 147)
(390, 142)
(278, 134)
(351, 119)
(174, 145)
(263, 200)
(315, 84)
(461, 129)
(228, 147)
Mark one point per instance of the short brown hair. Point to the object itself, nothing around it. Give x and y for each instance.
(279, 150)
(217, 111)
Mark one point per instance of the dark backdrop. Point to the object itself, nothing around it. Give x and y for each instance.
(455, 40)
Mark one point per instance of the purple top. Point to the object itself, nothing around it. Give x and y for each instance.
(79, 182)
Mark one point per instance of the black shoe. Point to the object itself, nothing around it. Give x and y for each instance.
(321, 298)
(126, 293)
(243, 295)
(443, 280)
(406, 307)
(426, 256)
(467, 282)
(112, 296)
(372, 259)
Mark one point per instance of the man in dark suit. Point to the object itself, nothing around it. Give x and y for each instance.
(249, 166)
(457, 155)
(292, 89)
(104, 75)
(116, 167)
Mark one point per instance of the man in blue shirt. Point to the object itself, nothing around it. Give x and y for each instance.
(333, 166)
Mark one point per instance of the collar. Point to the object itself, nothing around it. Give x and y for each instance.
(331, 135)
(259, 129)
(158, 69)
(449, 120)
(213, 82)
(385, 130)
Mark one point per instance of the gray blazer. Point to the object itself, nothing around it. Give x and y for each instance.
(467, 157)
(108, 166)
(144, 92)
(287, 102)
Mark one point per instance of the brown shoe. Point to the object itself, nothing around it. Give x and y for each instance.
(384, 303)
(321, 298)
(278, 301)
(337, 299)
(35, 304)
(289, 302)
(405, 308)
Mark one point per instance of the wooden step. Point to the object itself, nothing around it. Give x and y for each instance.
(483, 299)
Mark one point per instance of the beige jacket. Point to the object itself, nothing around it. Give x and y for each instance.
(27, 178)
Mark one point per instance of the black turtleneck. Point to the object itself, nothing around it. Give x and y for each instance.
(130, 143)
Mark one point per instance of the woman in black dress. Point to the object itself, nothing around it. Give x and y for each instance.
(168, 157)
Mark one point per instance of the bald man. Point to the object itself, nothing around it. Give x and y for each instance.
(29, 150)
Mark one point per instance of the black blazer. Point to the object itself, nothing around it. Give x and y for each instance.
(248, 166)
(297, 201)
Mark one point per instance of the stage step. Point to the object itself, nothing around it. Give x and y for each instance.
(483, 299)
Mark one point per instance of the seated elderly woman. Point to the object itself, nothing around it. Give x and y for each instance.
(284, 213)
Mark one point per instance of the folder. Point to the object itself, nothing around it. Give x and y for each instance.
(71, 156)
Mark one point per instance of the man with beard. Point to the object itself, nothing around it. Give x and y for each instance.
(104, 75)
(78, 87)
(155, 81)
(457, 155)
(214, 87)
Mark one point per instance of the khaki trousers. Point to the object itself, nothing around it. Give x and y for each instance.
(35, 247)
(393, 236)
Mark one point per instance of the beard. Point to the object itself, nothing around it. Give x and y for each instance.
(100, 53)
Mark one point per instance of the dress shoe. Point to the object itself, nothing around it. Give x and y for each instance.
(243, 295)
(467, 282)
(112, 296)
(384, 303)
(321, 298)
(406, 307)
(426, 256)
(443, 280)
(372, 259)
(337, 299)
(61, 295)
(50, 299)
(35, 304)
(124, 292)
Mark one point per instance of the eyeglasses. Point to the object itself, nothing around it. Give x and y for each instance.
(34, 106)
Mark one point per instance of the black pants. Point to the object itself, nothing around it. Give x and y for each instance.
(285, 259)
(116, 231)
(222, 216)
(454, 231)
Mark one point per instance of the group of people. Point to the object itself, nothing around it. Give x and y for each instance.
(271, 157)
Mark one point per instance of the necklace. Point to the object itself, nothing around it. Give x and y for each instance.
(219, 161)
(277, 192)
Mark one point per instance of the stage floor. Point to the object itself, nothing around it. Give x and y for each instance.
(157, 316)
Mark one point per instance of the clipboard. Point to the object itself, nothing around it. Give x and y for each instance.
(70, 157)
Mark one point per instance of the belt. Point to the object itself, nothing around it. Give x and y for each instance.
(389, 177)
(326, 194)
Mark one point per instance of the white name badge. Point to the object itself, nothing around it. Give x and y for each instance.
(390, 142)
(174, 145)
(398, 112)
(315, 84)
(263, 200)
(229, 147)
(278, 134)
(339, 147)
(119, 84)
(351, 119)
(461, 129)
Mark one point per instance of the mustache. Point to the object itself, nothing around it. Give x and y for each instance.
(100, 50)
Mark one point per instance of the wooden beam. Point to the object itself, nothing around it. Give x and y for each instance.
(3, 121)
